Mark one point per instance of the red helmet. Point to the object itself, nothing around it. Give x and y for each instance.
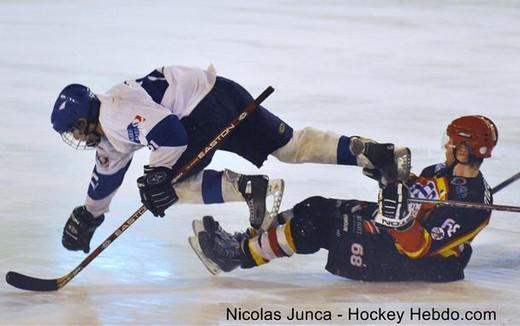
(476, 131)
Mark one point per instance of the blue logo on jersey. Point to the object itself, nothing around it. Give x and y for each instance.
(133, 132)
(133, 129)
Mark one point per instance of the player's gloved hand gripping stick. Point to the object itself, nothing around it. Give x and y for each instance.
(37, 284)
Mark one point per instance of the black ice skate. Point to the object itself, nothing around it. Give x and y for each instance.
(217, 249)
(256, 189)
(208, 224)
(391, 163)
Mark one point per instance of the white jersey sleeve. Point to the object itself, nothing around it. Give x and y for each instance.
(107, 176)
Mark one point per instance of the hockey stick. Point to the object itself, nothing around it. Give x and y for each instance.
(37, 284)
(505, 183)
(463, 204)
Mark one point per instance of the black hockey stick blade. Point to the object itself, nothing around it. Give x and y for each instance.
(25, 282)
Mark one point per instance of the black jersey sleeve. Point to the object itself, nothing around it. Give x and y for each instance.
(450, 227)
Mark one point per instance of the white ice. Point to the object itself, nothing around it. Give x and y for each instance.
(396, 71)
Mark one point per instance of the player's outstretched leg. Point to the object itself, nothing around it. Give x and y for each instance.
(222, 251)
(304, 229)
(316, 146)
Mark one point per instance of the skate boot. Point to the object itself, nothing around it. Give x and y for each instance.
(256, 189)
(208, 224)
(217, 249)
(383, 162)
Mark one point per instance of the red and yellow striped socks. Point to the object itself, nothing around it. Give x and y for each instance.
(274, 243)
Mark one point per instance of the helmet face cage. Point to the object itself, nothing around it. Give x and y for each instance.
(79, 136)
(477, 132)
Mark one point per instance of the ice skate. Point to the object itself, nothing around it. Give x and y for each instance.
(213, 268)
(392, 163)
(256, 190)
(208, 224)
(217, 249)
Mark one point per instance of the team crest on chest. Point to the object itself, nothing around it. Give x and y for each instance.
(133, 129)
(426, 191)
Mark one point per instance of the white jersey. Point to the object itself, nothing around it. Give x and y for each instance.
(144, 112)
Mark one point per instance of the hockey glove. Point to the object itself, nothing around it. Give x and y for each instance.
(393, 207)
(382, 162)
(156, 189)
(79, 229)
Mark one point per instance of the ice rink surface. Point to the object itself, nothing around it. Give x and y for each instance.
(397, 71)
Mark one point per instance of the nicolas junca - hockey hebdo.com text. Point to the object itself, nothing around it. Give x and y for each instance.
(345, 314)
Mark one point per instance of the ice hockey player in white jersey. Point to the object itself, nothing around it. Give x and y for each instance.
(176, 111)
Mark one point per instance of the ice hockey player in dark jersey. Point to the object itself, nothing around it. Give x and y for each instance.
(391, 240)
(176, 111)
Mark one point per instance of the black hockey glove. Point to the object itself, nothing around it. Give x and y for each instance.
(79, 229)
(382, 162)
(393, 207)
(156, 189)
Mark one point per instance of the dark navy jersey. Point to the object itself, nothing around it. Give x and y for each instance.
(444, 231)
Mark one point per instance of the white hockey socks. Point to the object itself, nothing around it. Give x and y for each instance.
(311, 145)
(209, 187)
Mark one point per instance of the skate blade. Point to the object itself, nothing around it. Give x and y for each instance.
(197, 226)
(275, 189)
(403, 161)
(210, 266)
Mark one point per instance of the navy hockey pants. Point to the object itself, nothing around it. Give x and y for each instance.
(260, 134)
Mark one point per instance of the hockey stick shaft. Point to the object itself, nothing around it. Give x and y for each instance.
(462, 204)
(35, 284)
(505, 183)
(218, 139)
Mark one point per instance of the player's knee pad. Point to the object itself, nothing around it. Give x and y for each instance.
(311, 208)
(305, 236)
(312, 223)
